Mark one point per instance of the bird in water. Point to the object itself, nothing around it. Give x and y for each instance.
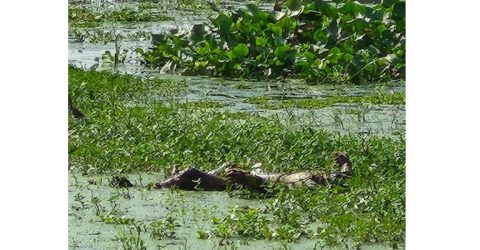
(75, 112)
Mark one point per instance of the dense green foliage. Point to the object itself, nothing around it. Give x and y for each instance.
(322, 41)
(367, 211)
(118, 136)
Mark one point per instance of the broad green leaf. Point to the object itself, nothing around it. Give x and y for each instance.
(238, 52)
(275, 29)
(281, 52)
(334, 51)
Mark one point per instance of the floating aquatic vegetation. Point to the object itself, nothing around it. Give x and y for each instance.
(322, 41)
(86, 17)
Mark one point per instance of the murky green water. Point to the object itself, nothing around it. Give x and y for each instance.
(192, 211)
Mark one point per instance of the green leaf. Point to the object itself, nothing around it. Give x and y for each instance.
(223, 23)
(388, 3)
(353, 8)
(261, 41)
(399, 11)
(310, 57)
(348, 57)
(320, 35)
(334, 55)
(328, 9)
(239, 52)
(281, 52)
(203, 50)
(275, 29)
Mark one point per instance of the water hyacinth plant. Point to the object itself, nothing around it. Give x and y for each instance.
(322, 41)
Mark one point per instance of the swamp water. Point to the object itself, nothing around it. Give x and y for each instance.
(193, 211)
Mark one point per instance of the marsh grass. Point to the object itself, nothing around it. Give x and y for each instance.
(118, 137)
(163, 228)
(267, 102)
(88, 35)
(111, 219)
(86, 17)
(130, 237)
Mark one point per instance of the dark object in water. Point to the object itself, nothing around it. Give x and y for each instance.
(75, 112)
(120, 181)
(193, 179)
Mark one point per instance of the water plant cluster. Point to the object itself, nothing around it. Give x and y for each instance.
(356, 213)
(82, 35)
(118, 137)
(322, 41)
(394, 98)
(87, 17)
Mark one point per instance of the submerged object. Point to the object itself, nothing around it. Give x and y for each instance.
(193, 179)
